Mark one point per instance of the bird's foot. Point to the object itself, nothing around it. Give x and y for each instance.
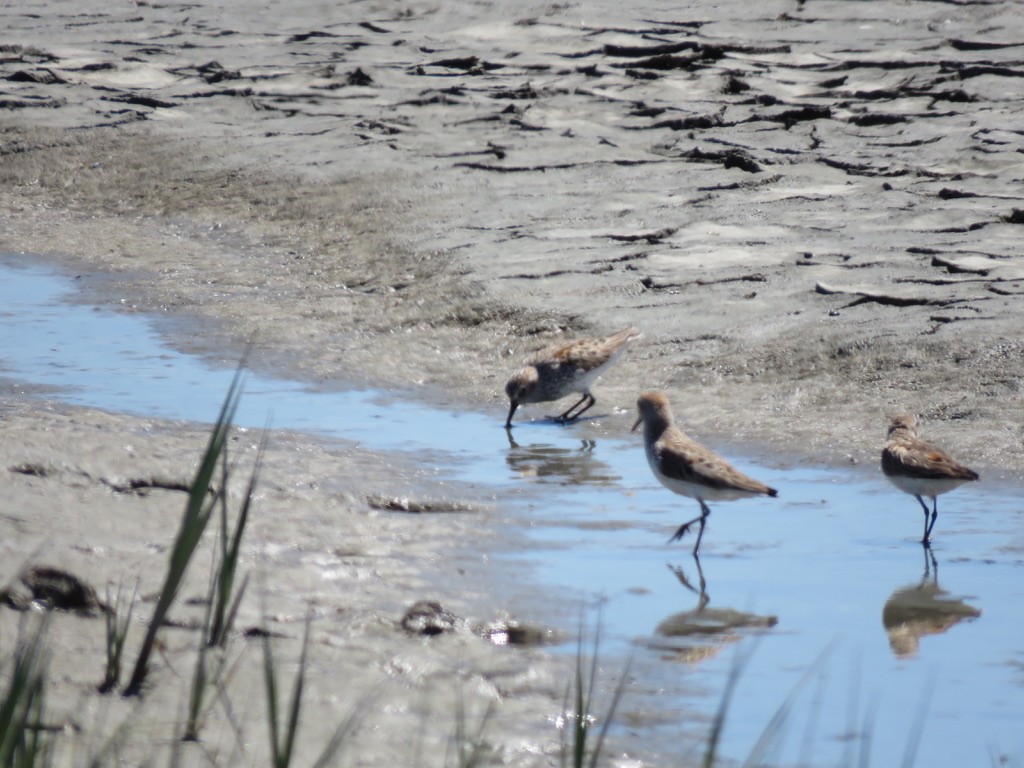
(682, 531)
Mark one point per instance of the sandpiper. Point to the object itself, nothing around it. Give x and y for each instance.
(686, 467)
(557, 371)
(921, 469)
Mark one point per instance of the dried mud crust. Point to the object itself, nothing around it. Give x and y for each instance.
(811, 233)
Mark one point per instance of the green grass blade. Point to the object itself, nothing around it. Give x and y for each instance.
(270, 682)
(345, 730)
(197, 514)
(117, 622)
(740, 661)
(772, 733)
(22, 706)
(296, 703)
(579, 743)
(282, 741)
(620, 688)
(468, 747)
(562, 732)
(229, 622)
(580, 722)
(200, 677)
(810, 732)
(226, 604)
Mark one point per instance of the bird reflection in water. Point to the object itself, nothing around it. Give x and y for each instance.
(702, 632)
(922, 609)
(565, 466)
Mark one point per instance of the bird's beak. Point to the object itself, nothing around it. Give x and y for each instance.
(639, 421)
(508, 421)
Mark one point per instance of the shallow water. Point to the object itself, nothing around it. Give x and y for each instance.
(823, 566)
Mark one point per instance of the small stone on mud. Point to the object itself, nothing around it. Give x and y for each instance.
(429, 618)
(31, 468)
(405, 504)
(513, 632)
(52, 589)
(359, 77)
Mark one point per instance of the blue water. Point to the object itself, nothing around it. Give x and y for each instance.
(823, 559)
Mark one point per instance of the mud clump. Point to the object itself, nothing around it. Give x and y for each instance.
(429, 618)
(52, 589)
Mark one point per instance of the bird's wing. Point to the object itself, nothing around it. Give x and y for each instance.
(573, 353)
(683, 459)
(920, 459)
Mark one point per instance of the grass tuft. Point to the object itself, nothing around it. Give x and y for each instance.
(582, 747)
(282, 735)
(226, 597)
(200, 680)
(470, 749)
(742, 658)
(771, 737)
(198, 508)
(222, 599)
(23, 735)
(117, 621)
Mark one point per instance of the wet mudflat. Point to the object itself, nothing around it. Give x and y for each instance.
(832, 564)
(801, 201)
(811, 209)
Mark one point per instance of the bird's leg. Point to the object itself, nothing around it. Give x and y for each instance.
(930, 564)
(924, 537)
(680, 574)
(700, 533)
(935, 514)
(585, 407)
(684, 528)
(704, 599)
(681, 531)
(570, 416)
(565, 415)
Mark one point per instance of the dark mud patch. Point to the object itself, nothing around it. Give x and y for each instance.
(429, 618)
(52, 589)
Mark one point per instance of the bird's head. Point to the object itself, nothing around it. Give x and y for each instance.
(654, 411)
(905, 421)
(520, 389)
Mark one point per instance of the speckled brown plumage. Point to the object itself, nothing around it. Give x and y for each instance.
(919, 468)
(686, 467)
(560, 370)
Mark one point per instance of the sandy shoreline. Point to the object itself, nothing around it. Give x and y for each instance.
(811, 232)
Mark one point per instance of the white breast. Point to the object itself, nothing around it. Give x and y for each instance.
(925, 486)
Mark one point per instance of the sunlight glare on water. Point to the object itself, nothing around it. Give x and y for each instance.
(833, 563)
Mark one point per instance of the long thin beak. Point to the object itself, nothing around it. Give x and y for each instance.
(639, 421)
(508, 422)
